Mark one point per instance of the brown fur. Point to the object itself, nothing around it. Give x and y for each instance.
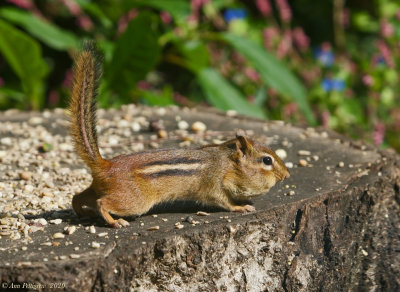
(220, 175)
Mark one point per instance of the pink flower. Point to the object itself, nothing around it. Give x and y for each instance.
(386, 54)
(197, 4)
(290, 109)
(165, 17)
(285, 45)
(143, 85)
(1, 82)
(379, 133)
(54, 97)
(301, 40)
(326, 116)
(398, 15)
(180, 99)
(270, 34)
(387, 30)
(251, 74)
(72, 7)
(264, 7)
(368, 80)
(124, 20)
(85, 22)
(284, 10)
(67, 78)
(26, 4)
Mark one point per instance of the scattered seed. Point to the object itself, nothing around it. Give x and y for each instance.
(162, 134)
(102, 234)
(74, 256)
(281, 153)
(202, 213)
(58, 235)
(179, 226)
(70, 230)
(341, 164)
(25, 175)
(183, 125)
(304, 152)
(95, 244)
(92, 229)
(303, 162)
(199, 127)
(289, 164)
(153, 228)
(56, 221)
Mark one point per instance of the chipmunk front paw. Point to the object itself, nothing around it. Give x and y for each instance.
(120, 223)
(244, 209)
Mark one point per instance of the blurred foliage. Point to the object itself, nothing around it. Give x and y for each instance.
(333, 63)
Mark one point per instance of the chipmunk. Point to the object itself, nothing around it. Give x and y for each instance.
(224, 175)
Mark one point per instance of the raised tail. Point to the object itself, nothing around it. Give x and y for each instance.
(82, 106)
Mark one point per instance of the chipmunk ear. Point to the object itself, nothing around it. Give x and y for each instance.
(244, 144)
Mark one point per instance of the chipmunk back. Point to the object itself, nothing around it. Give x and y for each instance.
(225, 175)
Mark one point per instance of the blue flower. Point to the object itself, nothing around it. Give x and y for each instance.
(333, 84)
(325, 57)
(231, 14)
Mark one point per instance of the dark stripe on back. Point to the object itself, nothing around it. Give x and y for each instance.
(171, 172)
(178, 160)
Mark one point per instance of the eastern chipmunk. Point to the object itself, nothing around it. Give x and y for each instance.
(223, 175)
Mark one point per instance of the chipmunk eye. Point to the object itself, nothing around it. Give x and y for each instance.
(267, 160)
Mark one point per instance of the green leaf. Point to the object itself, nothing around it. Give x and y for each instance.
(93, 9)
(273, 72)
(163, 98)
(195, 53)
(46, 32)
(24, 55)
(260, 96)
(136, 53)
(179, 9)
(221, 94)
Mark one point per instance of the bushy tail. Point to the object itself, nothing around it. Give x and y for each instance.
(82, 106)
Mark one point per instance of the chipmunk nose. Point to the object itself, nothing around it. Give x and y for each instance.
(287, 174)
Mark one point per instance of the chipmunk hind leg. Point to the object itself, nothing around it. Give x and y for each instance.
(85, 199)
(104, 207)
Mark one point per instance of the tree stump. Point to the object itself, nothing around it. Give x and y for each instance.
(333, 225)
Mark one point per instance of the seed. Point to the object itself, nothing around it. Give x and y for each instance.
(289, 164)
(95, 244)
(199, 127)
(303, 162)
(58, 235)
(304, 152)
(25, 175)
(183, 125)
(162, 134)
(153, 228)
(281, 153)
(70, 230)
(56, 221)
(202, 213)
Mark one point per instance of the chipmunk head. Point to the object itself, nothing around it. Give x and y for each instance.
(256, 168)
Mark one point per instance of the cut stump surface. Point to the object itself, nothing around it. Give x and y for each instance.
(333, 225)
